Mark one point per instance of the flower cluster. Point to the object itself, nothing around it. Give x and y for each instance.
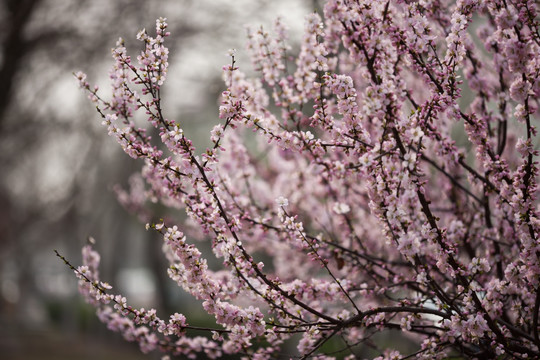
(394, 185)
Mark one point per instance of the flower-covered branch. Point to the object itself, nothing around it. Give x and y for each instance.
(392, 186)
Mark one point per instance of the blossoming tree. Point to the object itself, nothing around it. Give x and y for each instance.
(358, 210)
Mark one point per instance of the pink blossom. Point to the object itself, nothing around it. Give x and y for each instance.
(384, 178)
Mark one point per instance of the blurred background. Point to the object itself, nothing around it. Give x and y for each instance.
(58, 166)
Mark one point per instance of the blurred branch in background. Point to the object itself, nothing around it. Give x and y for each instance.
(14, 46)
(58, 166)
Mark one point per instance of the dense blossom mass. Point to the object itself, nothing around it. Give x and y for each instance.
(380, 179)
